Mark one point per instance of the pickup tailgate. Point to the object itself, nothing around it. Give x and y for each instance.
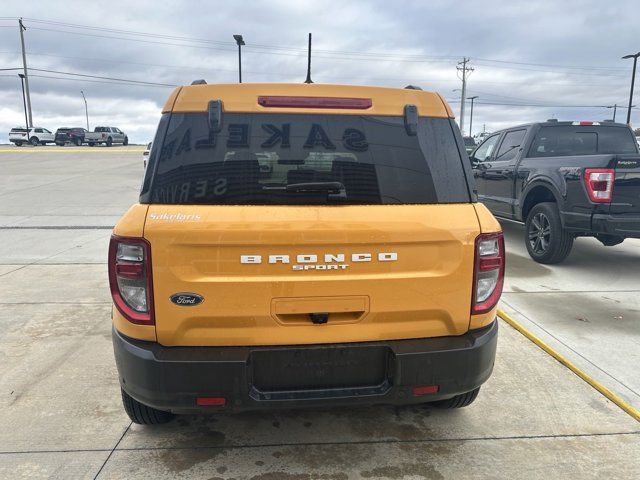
(380, 272)
(626, 188)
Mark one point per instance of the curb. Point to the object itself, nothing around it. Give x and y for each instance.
(564, 361)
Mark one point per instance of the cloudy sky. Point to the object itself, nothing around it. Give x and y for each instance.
(532, 60)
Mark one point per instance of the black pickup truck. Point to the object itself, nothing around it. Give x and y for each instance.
(563, 180)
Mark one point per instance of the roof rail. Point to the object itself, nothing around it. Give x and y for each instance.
(552, 120)
(202, 81)
(412, 87)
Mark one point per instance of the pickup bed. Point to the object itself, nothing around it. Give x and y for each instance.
(563, 180)
(106, 135)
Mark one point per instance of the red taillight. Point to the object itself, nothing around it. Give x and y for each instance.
(130, 278)
(425, 390)
(599, 184)
(488, 275)
(211, 401)
(315, 102)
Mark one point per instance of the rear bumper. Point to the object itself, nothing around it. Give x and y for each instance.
(171, 378)
(623, 225)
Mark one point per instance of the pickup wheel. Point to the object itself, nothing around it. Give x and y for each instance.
(125, 142)
(60, 144)
(547, 242)
(91, 144)
(142, 414)
(459, 401)
(109, 142)
(34, 141)
(78, 142)
(18, 144)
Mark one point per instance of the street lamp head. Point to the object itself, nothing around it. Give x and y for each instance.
(472, 98)
(239, 40)
(21, 75)
(631, 55)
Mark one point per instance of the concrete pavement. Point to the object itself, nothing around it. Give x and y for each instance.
(62, 416)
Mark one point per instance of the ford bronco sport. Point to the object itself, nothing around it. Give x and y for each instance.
(304, 245)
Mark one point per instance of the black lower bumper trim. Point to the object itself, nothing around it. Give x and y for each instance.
(171, 378)
(623, 225)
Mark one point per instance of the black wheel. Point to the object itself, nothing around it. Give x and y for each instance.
(18, 144)
(60, 144)
(109, 142)
(44, 144)
(125, 142)
(143, 415)
(547, 242)
(78, 142)
(459, 401)
(91, 144)
(34, 141)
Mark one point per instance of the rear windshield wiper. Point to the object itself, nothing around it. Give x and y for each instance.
(329, 187)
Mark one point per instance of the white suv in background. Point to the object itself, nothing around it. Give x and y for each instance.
(34, 135)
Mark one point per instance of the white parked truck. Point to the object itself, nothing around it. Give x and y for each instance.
(106, 135)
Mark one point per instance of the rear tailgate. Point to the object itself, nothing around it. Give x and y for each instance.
(626, 188)
(407, 272)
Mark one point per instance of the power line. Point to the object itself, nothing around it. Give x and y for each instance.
(96, 81)
(104, 78)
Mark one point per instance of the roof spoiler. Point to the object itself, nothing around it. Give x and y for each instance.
(202, 81)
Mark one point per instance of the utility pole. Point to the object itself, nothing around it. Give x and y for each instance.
(615, 108)
(471, 117)
(86, 110)
(462, 67)
(24, 103)
(633, 80)
(22, 28)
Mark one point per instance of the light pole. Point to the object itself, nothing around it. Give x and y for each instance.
(240, 42)
(86, 110)
(471, 116)
(633, 79)
(24, 102)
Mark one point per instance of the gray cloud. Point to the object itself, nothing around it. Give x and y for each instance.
(430, 38)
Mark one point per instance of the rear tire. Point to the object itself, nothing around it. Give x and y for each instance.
(547, 242)
(109, 142)
(459, 401)
(91, 144)
(18, 144)
(34, 141)
(142, 414)
(60, 144)
(78, 142)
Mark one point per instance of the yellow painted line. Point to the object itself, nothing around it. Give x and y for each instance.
(564, 361)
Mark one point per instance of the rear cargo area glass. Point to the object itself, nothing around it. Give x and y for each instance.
(253, 157)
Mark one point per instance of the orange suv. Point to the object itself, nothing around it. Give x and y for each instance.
(304, 245)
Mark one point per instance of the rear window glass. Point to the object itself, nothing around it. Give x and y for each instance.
(263, 159)
(64, 130)
(18, 130)
(101, 129)
(582, 140)
(469, 142)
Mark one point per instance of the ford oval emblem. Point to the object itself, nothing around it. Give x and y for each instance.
(186, 299)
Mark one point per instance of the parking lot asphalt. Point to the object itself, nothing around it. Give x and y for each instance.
(61, 413)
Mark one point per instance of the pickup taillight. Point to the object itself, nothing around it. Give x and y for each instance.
(599, 184)
(488, 272)
(130, 278)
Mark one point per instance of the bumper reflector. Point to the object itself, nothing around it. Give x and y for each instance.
(425, 390)
(211, 401)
